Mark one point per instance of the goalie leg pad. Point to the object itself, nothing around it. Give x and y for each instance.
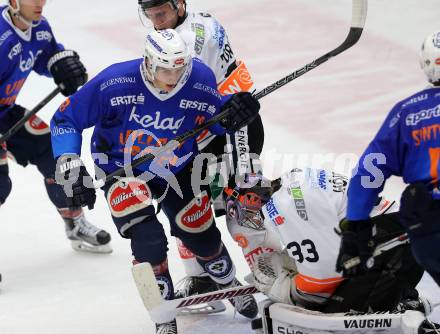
(287, 319)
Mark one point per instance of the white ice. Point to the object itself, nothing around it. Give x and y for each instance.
(325, 117)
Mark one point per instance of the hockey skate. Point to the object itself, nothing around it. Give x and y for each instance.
(167, 328)
(86, 237)
(194, 285)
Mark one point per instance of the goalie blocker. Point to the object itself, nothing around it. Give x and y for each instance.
(289, 319)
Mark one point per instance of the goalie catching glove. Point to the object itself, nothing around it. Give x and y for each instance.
(68, 71)
(273, 276)
(76, 181)
(243, 110)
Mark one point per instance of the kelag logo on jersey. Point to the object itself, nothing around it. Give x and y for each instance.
(274, 215)
(28, 64)
(147, 121)
(125, 100)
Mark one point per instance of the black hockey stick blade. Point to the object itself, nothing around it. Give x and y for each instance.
(359, 15)
(17, 126)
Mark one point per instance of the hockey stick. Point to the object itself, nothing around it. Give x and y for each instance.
(17, 126)
(158, 307)
(381, 248)
(359, 15)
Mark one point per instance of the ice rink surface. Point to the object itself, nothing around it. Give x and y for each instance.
(326, 117)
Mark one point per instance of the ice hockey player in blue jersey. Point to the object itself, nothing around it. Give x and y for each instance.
(236, 153)
(134, 107)
(407, 145)
(28, 44)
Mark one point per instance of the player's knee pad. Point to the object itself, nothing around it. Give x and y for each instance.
(130, 203)
(195, 217)
(219, 266)
(195, 226)
(36, 126)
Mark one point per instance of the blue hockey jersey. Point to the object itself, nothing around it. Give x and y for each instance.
(130, 115)
(20, 53)
(408, 144)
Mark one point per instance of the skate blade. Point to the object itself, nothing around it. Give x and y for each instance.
(81, 246)
(208, 308)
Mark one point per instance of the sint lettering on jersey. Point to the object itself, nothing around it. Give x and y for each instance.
(425, 134)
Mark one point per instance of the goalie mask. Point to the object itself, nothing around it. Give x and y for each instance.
(430, 58)
(161, 14)
(244, 202)
(166, 58)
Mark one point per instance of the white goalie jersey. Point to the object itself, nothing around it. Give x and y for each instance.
(208, 41)
(302, 218)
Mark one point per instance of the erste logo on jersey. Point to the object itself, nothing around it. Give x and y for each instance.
(273, 213)
(200, 106)
(147, 121)
(128, 195)
(127, 100)
(15, 50)
(197, 215)
(44, 36)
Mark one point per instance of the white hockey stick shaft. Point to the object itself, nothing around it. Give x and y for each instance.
(380, 249)
(157, 306)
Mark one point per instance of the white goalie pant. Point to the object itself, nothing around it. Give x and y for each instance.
(289, 319)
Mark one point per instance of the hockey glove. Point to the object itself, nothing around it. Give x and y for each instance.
(76, 181)
(68, 71)
(273, 276)
(357, 240)
(243, 110)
